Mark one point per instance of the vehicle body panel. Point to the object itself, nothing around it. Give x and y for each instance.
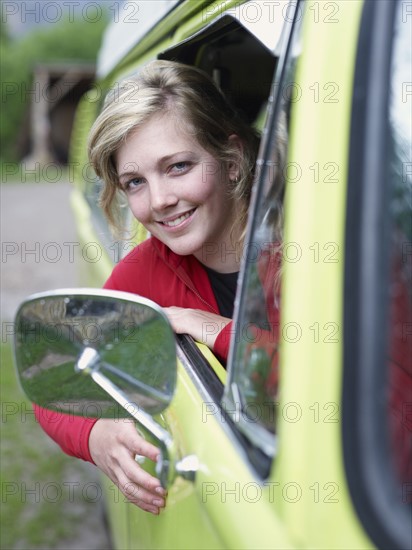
(311, 448)
(305, 501)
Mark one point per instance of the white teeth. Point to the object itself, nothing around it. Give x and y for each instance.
(176, 221)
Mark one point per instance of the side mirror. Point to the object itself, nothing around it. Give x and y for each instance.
(127, 340)
(101, 353)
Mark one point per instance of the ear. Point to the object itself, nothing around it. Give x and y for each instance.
(236, 145)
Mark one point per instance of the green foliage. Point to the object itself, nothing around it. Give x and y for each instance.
(4, 34)
(68, 39)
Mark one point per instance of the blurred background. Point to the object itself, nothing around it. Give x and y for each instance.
(48, 53)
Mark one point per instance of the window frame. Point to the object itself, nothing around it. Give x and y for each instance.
(229, 401)
(371, 482)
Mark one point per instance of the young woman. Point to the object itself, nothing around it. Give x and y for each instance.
(169, 142)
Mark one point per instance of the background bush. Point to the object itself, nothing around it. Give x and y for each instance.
(75, 39)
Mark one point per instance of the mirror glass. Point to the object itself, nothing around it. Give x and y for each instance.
(131, 335)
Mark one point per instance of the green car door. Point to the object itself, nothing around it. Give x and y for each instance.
(291, 444)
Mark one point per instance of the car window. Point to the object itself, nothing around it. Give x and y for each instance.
(86, 180)
(377, 377)
(134, 232)
(399, 325)
(216, 50)
(251, 392)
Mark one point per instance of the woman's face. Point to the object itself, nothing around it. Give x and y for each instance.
(178, 191)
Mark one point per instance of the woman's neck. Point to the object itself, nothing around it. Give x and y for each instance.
(223, 257)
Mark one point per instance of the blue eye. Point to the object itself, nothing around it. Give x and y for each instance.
(180, 166)
(132, 184)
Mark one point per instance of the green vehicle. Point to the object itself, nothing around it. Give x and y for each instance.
(326, 460)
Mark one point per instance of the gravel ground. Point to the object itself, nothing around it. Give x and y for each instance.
(36, 222)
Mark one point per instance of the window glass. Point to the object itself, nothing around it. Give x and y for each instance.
(251, 393)
(399, 325)
(131, 231)
(93, 184)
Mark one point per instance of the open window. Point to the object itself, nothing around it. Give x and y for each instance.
(254, 64)
(239, 49)
(237, 60)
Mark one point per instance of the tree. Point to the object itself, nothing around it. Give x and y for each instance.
(75, 39)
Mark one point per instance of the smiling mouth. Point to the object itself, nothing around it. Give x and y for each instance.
(177, 221)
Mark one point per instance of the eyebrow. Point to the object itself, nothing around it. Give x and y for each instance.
(160, 161)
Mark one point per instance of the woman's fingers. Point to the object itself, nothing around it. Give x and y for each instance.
(135, 474)
(134, 490)
(113, 446)
(130, 438)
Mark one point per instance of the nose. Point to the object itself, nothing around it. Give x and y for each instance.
(162, 195)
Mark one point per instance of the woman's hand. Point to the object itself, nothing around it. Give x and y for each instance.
(201, 325)
(113, 445)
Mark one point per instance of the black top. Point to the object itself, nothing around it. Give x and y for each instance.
(224, 289)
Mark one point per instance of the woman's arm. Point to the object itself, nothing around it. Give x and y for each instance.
(70, 432)
(208, 328)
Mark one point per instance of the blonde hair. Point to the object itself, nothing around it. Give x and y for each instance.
(166, 86)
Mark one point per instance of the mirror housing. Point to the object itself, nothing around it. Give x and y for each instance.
(102, 353)
(131, 341)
